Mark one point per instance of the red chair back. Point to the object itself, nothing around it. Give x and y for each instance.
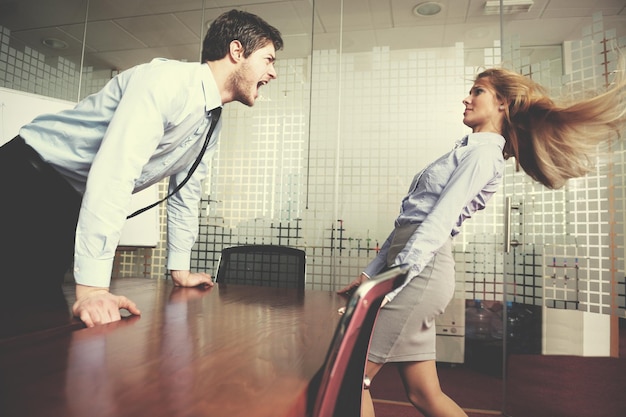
(342, 375)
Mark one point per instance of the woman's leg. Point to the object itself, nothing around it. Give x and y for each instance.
(421, 384)
(367, 405)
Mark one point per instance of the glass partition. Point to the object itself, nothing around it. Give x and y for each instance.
(47, 50)
(323, 158)
(37, 54)
(564, 274)
(367, 94)
(122, 35)
(386, 101)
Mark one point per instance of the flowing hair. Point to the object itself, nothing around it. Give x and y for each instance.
(553, 143)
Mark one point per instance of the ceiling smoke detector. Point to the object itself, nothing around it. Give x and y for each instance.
(508, 6)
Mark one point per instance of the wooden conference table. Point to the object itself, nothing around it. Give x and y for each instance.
(227, 351)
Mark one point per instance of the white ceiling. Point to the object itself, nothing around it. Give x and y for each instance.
(122, 33)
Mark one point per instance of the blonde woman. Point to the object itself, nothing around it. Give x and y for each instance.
(510, 116)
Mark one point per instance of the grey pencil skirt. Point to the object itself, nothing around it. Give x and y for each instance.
(405, 328)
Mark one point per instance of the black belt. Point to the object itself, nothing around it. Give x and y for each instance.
(20, 149)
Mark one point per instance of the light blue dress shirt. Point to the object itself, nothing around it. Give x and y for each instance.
(442, 196)
(146, 124)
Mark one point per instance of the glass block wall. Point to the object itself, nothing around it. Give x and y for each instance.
(331, 183)
(572, 240)
(26, 69)
(325, 155)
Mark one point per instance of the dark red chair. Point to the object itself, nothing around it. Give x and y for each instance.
(336, 391)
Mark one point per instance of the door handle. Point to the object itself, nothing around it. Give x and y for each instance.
(508, 208)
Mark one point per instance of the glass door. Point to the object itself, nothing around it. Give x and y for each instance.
(564, 257)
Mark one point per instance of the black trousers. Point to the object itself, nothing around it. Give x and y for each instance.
(38, 216)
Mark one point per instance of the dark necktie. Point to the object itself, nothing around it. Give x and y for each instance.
(215, 116)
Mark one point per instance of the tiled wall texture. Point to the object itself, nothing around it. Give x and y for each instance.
(324, 157)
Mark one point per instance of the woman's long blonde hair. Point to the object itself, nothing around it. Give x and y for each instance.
(553, 143)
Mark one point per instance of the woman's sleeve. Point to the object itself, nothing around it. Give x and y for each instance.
(380, 262)
(467, 182)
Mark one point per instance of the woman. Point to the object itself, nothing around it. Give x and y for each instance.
(510, 116)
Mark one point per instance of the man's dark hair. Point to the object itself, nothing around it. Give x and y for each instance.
(252, 31)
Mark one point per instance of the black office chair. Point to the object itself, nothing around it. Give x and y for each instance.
(336, 389)
(262, 265)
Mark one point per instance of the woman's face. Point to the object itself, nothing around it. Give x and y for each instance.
(484, 112)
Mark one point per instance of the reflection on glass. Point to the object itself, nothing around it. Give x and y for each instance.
(36, 54)
(563, 283)
(336, 137)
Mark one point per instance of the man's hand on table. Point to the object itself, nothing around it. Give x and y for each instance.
(96, 305)
(191, 279)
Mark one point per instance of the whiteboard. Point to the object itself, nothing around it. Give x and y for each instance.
(18, 108)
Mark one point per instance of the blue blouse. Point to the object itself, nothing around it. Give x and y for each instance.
(442, 196)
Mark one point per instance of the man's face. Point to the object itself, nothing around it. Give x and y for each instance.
(253, 72)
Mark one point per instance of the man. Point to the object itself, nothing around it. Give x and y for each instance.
(68, 177)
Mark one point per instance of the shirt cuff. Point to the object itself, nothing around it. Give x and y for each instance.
(178, 261)
(390, 296)
(92, 272)
(374, 267)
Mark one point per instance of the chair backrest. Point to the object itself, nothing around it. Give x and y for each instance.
(342, 376)
(262, 265)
